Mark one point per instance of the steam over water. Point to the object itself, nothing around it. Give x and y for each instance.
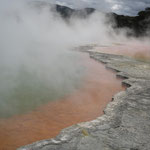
(36, 66)
(26, 89)
(36, 63)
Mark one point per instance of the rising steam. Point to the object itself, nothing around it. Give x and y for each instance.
(35, 59)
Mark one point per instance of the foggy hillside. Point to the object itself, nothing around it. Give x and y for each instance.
(138, 25)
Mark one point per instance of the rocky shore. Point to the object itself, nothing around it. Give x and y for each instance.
(125, 124)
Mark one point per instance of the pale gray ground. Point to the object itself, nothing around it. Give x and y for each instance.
(126, 122)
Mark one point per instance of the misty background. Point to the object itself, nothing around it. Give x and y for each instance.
(122, 7)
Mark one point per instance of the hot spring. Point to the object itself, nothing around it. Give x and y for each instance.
(44, 85)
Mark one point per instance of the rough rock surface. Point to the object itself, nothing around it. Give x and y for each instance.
(125, 124)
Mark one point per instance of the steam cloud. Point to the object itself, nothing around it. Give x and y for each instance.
(35, 59)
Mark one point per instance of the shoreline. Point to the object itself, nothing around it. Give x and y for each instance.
(125, 123)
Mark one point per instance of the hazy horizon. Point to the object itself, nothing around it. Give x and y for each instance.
(122, 7)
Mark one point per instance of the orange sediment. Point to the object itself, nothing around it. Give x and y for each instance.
(47, 121)
(137, 50)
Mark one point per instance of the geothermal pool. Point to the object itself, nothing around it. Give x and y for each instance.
(85, 103)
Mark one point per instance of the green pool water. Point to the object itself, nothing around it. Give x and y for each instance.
(25, 87)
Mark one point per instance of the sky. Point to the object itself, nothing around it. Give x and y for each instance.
(126, 7)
